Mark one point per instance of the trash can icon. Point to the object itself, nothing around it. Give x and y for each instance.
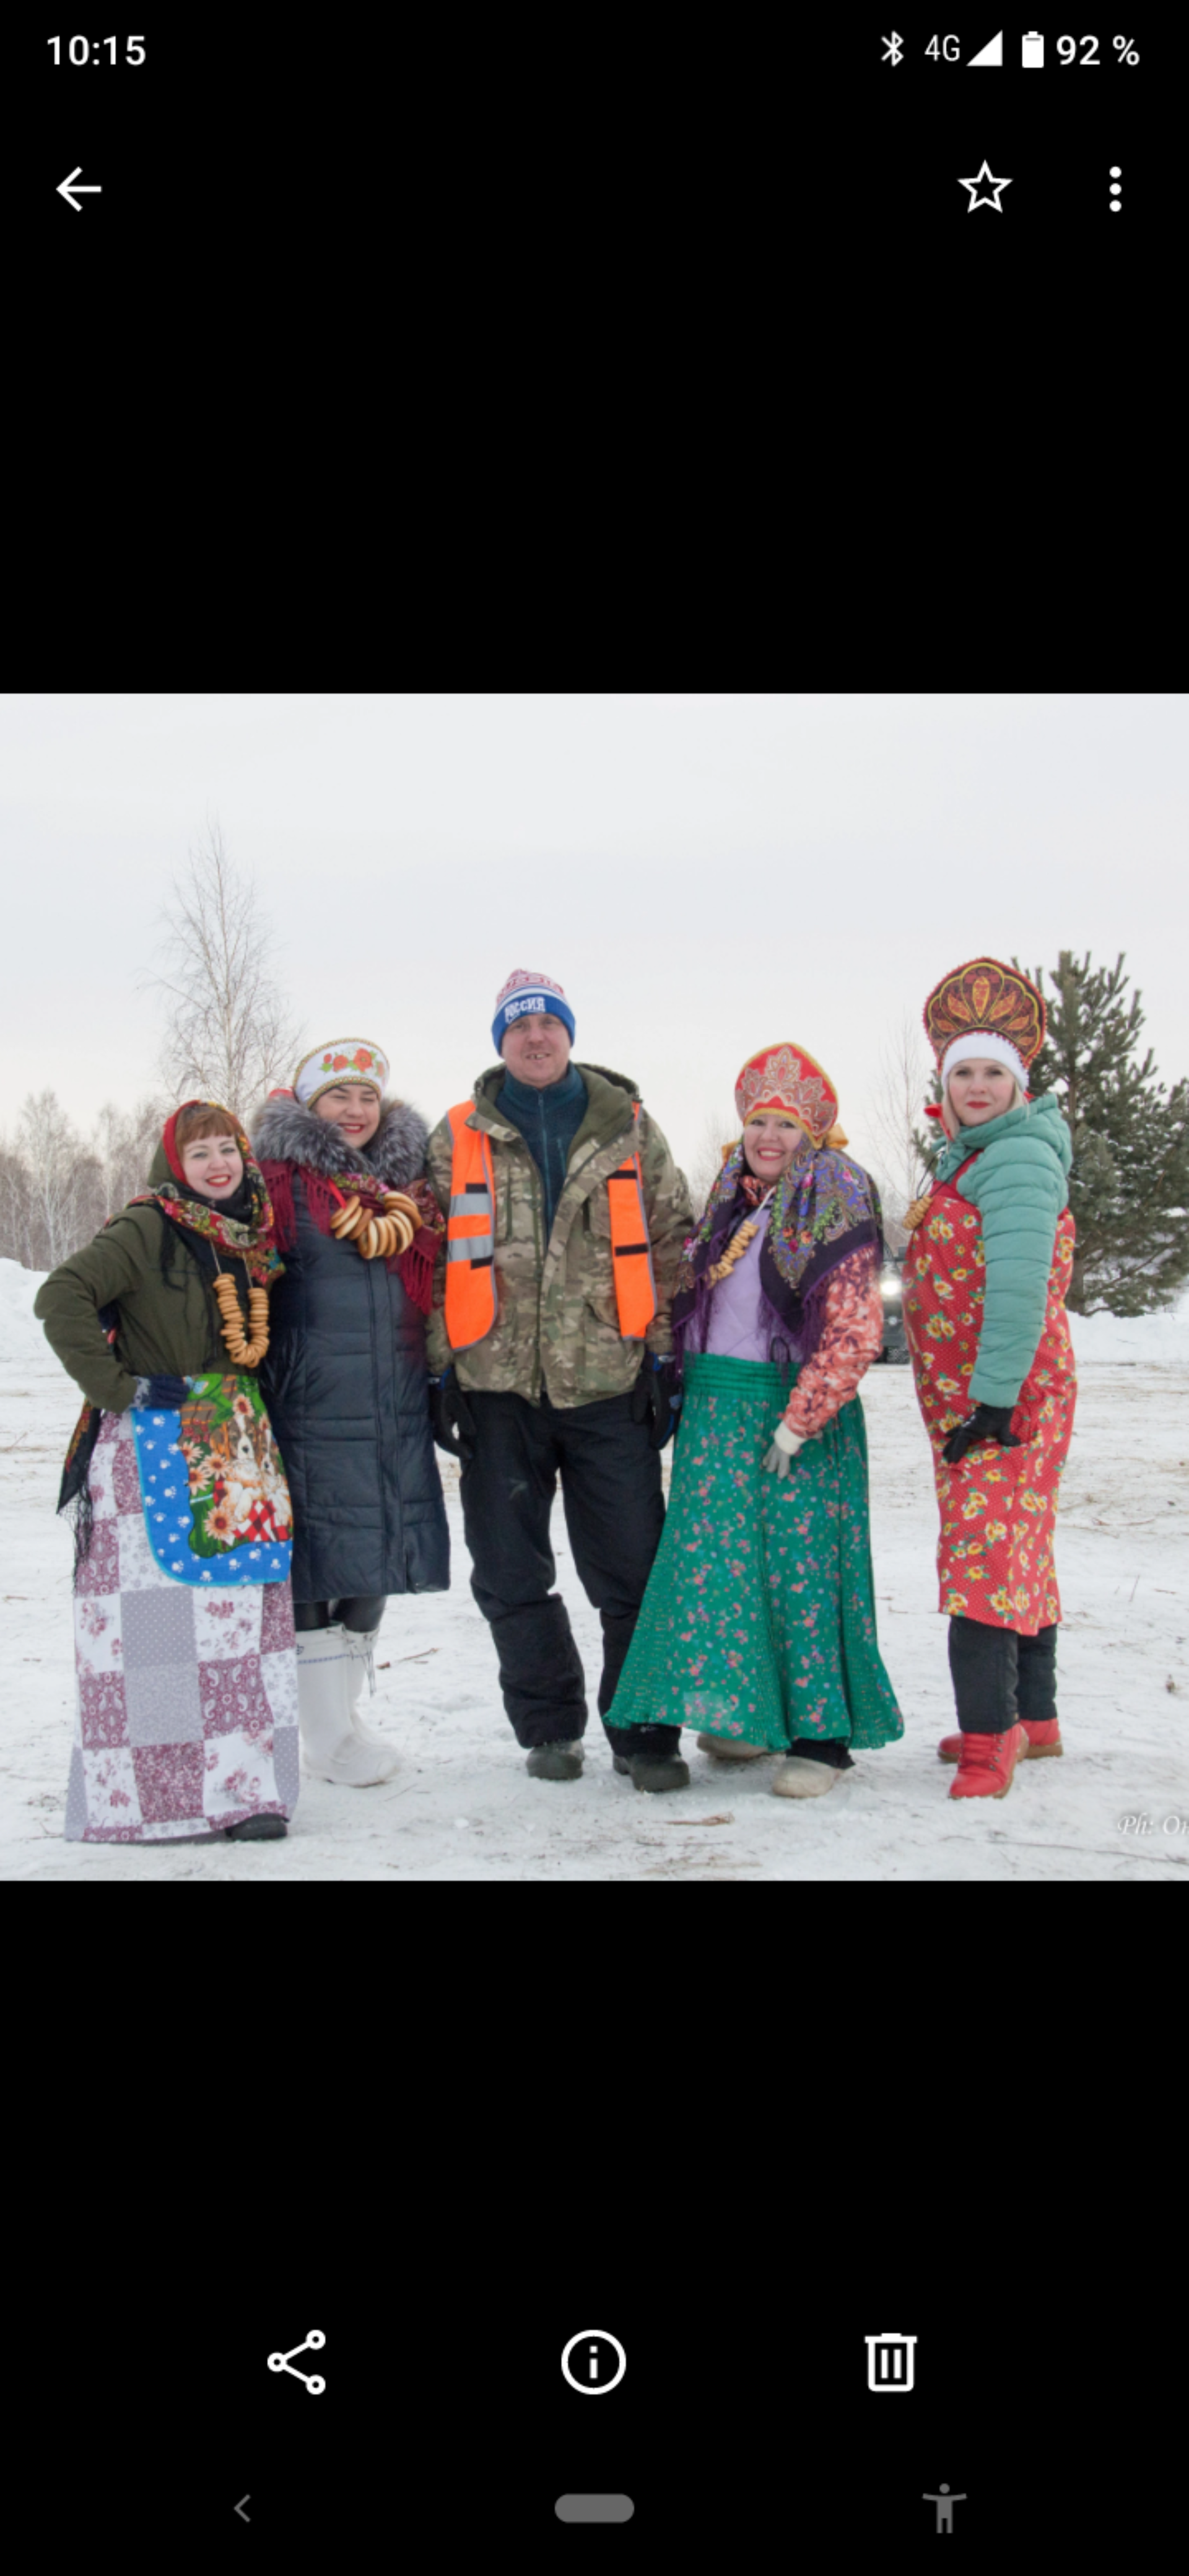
(889, 2360)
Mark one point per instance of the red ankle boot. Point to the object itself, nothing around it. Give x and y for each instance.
(1043, 1733)
(986, 1764)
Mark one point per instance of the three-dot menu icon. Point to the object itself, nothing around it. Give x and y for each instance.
(1116, 188)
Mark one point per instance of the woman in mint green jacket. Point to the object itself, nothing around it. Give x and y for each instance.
(985, 1279)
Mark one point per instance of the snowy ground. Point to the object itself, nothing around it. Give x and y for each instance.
(461, 1806)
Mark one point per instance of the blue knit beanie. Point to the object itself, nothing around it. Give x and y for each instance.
(523, 993)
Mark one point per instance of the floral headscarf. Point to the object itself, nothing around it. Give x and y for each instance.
(823, 1209)
(241, 1236)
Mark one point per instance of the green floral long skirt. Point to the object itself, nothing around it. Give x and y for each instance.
(759, 1618)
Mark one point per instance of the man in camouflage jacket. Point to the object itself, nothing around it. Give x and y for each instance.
(554, 1387)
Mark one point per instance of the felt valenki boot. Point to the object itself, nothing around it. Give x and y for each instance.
(329, 1743)
(361, 1645)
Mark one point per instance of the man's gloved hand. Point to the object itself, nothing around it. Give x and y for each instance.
(451, 1416)
(656, 1396)
(987, 1422)
(165, 1393)
(785, 1444)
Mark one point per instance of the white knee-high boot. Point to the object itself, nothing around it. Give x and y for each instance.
(361, 1643)
(331, 1747)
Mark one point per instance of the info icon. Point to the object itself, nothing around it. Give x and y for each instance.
(593, 2363)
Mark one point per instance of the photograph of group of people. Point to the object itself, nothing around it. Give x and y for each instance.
(316, 1294)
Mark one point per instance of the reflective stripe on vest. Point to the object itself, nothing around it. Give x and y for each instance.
(470, 1234)
(631, 1252)
(470, 1239)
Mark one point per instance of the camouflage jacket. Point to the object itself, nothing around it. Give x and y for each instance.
(556, 1324)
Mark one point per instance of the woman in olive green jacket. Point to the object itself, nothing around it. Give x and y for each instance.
(184, 1646)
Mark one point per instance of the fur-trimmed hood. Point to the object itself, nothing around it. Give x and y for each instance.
(283, 1132)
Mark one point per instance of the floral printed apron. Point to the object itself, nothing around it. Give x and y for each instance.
(216, 1503)
(998, 1506)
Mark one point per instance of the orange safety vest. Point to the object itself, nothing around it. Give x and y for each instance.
(470, 1234)
(470, 1239)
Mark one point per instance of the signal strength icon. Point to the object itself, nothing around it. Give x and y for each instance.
(991, 53)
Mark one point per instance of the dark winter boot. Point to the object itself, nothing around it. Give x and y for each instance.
(257, 1829)
(653, 1770)
(555, 1761)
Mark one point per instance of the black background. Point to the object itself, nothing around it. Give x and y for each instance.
(743, 2429)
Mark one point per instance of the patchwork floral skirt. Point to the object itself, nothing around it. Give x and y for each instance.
(759, 1618)
(186, 1715)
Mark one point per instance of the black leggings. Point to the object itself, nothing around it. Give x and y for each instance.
(999, 1676)
(362, 1612)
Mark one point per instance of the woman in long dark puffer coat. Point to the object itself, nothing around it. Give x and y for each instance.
(345, 1379)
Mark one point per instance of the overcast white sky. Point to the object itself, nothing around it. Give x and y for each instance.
(703, 874)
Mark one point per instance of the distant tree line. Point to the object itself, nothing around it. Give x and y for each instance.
(57, 1187)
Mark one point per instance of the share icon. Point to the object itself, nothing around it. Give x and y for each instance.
(285, 2360)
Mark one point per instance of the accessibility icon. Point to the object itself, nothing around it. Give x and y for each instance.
(945, 2503)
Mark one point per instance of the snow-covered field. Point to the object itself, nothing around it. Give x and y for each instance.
(462, 1806)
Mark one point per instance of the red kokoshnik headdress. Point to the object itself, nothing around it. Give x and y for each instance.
(986, 999)
(787, 1081)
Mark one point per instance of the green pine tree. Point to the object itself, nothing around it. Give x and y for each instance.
(1129, 1186)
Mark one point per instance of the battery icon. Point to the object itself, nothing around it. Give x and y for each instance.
(1034, 53)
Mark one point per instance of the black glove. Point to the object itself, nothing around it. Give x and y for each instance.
(987, 1422)
(451, 1416)
(656, 1396)
(165, 1393)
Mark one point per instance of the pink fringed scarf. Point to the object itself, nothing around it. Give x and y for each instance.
(326, 1193)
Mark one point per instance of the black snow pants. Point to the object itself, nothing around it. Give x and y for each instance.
(611, 1495)
(363, 1612)
(999, 1676)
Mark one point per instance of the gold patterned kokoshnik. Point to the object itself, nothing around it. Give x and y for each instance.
(986, 995)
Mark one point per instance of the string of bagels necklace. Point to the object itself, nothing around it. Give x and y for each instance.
(738, 1244)
(372, 1233)
(245, 1354)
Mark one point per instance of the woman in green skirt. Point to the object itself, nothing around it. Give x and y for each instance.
(758, 1625)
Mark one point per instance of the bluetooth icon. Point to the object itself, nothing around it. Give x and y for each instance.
(893, 47)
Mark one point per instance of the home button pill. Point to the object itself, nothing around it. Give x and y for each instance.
(594, 2508)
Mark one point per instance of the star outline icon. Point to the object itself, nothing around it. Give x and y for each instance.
(973, 185)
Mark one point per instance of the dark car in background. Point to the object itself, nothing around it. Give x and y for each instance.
(891, 1289)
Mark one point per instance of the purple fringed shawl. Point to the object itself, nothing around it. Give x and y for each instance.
(825, 1209)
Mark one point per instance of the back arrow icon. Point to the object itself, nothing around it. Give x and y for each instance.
(64, 190)
(240, 2508)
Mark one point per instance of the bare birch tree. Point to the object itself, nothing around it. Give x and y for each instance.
(902, 1084)
(123, 1146)
(60, 1174)
(14, 1204)
(231, 1032)
(715, 1143)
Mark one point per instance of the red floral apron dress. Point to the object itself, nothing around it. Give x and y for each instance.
(998, 1506)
